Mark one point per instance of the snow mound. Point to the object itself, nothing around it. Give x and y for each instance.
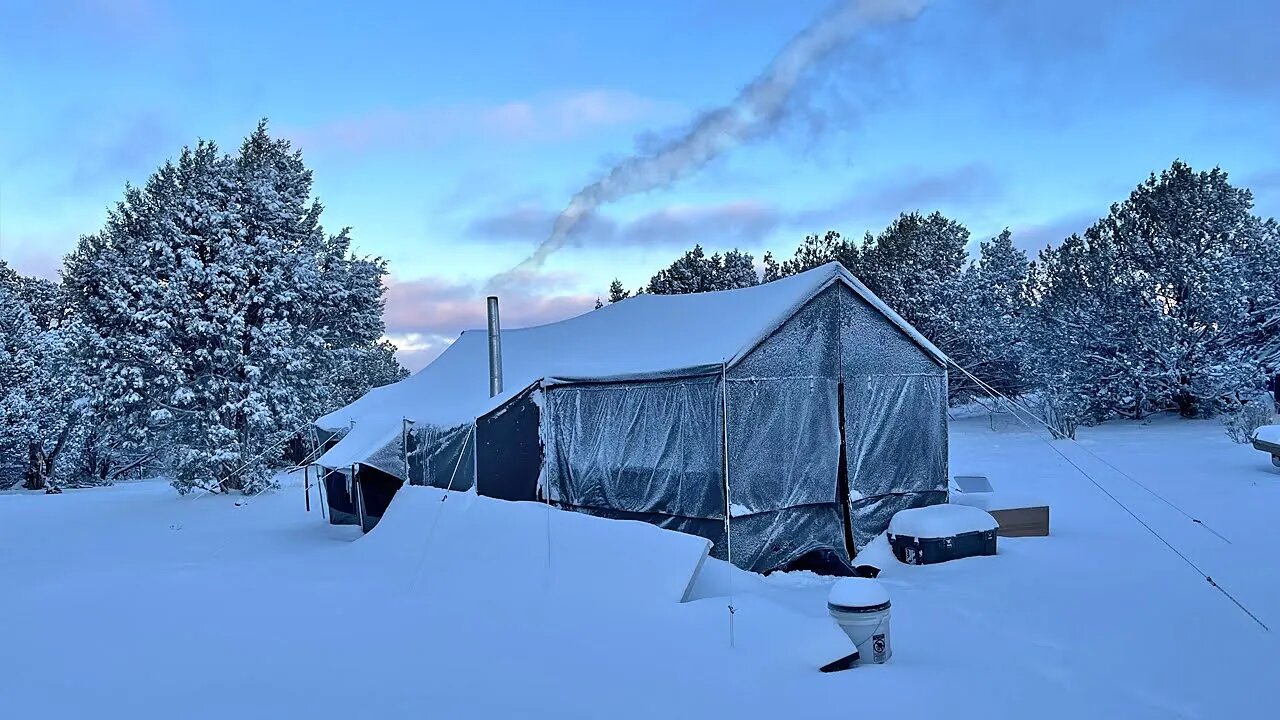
(938, 521)
(1268, 434)
(507, 551)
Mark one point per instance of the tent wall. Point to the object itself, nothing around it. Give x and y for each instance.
(784, 441)
(340, 496)
(376, 489)
(442, 457)
(509, 450)
(895, 420)
(647, 449)
(651, 450)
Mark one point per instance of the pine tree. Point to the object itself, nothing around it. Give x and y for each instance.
(772, 269)
(691, 273)
(695, 272)
(357, 369)
(219, 315)
(1154, 307)
(42, 298)
(20, 360)
(37, 410)
(737, 270)
(993, 308)
(815, 251)
(616, 291)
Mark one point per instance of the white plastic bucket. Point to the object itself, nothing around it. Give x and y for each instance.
(860, 606)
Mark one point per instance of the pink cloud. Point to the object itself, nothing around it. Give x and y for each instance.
(550, 118)
(424, 316)
(29, 256)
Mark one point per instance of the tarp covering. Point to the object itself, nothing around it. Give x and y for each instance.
(896, 448)
(648, 448)
(784, 440)
(442, 457)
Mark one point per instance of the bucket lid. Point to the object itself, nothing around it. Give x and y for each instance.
(857, 594)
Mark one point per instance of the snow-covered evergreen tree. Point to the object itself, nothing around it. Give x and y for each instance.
(617, 292)
(37, 408)
(815, 251)
(772, 268)
(20, 358)
(42, 297)
(356, 369)
(695, 272)
(993, 307)
(736, 270)
(1155, 306)
(219, 315)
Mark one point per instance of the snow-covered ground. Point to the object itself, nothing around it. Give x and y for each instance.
(131, 602)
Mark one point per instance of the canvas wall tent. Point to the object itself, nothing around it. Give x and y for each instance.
(835, 408)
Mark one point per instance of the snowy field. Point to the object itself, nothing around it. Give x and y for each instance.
(129, 602)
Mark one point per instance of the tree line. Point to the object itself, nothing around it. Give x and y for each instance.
(1170, 302)
(207, 324)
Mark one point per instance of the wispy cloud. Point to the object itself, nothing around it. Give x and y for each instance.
(1264, 180)
(116, 154)
(549, 118)
(742, 222)
(733, 223)
(1034, 238)
(909, 190)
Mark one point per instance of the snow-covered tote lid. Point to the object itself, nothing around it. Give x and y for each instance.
(943, 520)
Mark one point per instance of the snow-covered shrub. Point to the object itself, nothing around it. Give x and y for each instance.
(1240, 425)
(1058, 414)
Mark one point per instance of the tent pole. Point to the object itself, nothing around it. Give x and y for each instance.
(728, 502)
(306, 483)
(404, 447)
(320, 475)
(359, 496)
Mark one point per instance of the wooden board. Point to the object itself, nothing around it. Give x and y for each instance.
(1022, 522)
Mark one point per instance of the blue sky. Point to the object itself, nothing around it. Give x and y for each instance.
(448, 135)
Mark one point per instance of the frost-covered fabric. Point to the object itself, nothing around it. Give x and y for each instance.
(442, 457)
(642, 448)
(784, 442)
(896, 445)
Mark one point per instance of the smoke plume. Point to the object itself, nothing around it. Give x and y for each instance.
(753, 114)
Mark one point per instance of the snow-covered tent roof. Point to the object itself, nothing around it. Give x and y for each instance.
(647, 336)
